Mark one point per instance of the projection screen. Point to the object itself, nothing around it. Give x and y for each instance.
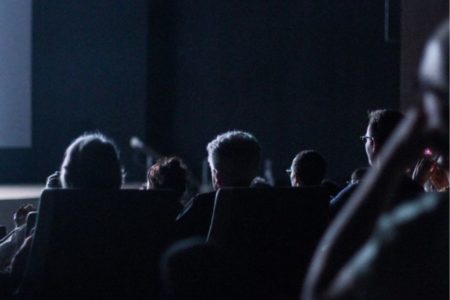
(15, 73)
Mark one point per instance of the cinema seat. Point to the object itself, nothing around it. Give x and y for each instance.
(271, 233)
(195, 219)
(31, 222)
(2, 231)
(99, 244)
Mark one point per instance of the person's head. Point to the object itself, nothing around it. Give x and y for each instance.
(331, 187)
(382, 123)
(20, 216)
(308, 168)
(91, 161)
(234, 159)
(168, 173)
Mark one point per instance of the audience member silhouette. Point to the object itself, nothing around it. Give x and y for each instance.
(168, 173)
(331, 187)
(91, 162)
(381, 124)
(406, 253)
(308, 169)
(11, 243)
(234, 158)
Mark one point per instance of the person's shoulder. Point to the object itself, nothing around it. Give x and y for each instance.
(344, 194)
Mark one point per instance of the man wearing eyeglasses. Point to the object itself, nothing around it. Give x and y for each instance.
(382, 123)
(404, 253)
(308, 169)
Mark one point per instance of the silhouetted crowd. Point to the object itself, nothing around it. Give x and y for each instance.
(383, 236)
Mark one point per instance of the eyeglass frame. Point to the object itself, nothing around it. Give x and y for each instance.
(366, 137)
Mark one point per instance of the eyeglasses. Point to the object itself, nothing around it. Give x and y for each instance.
(366, 137)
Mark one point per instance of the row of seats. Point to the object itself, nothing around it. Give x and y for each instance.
(108, 244)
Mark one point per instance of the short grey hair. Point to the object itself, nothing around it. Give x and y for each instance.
(236, 155)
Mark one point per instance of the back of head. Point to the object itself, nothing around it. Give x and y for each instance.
(383, 122)
(236, 156)
(331, 187)
(20, 216)
(91, 161)
(310, 167)
(168, 173)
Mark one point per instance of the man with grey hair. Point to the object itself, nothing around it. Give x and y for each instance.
(234, 159)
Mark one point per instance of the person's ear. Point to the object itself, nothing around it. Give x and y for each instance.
(375, 146)
(216, 180)
(295, 180)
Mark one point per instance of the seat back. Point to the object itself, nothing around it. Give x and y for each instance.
(195, 219)
(273, 232)
(2, 231)
(31, 222)
(97, 244)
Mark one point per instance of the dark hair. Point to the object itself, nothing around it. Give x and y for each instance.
(236, 155)
(310, 166)
(383, 123)
(91, 161)
(331, 187)
(168, 173)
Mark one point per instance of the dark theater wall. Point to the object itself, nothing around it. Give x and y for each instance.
(89, 73)
(298, 74)
(419, 19)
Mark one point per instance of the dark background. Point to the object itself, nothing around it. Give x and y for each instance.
(297, 74)
(89, 73)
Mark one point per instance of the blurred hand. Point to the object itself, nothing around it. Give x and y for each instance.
(53, 181)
